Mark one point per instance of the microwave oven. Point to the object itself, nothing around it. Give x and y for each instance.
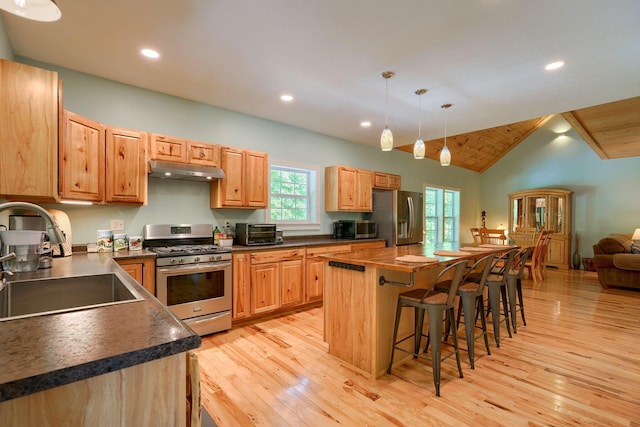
(355, 229)
(256, 234)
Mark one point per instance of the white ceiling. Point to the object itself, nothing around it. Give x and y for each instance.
(486, 57)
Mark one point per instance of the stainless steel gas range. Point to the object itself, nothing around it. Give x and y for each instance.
(193, 276)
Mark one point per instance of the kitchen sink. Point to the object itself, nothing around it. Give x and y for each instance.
(24, 298)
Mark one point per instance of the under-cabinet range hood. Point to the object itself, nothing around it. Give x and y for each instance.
(184, 172)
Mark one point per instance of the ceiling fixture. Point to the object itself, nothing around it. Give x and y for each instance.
(36, 10)
(418, 147)
(386, 139)
(445, 154)
(150, 53)
(286, 98)
(365, 124)
(554, 65)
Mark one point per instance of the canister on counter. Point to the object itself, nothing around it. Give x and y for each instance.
(120, 242)
(105, 240)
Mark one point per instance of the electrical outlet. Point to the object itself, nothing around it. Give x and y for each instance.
(117, 224)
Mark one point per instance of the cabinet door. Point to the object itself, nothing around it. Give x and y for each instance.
(380, 180)
(257, 183)
(227, 192)
(28, 132)
(291, 281)
(82, 159)
(203, 154)
(241, 286)
(167, 148)
(557, 251)
(315, 280)
(347, 188)
(126, 175)
(395, 182)
(142, 269)
(364, 201)
(134, 270)
(265, 293)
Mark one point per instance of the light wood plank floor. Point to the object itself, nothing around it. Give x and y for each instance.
(577, 362)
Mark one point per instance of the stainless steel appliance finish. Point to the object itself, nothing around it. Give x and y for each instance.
(184, 172)
(355, 229)
(255, 234)
(193, 276)
(399, 216)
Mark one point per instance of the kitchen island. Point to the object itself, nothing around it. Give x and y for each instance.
(119, 364)
(360, 311)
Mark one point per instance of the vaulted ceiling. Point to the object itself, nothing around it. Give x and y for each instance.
(486, 57)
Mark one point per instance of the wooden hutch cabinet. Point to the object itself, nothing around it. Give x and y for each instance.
(544, 208)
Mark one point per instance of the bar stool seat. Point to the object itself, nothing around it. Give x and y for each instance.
(437, 305)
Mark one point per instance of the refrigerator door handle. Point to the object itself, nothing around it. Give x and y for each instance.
(411, 217)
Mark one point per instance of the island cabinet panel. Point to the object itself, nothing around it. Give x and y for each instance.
(246, 180)
(82, 159)
(149, 394)
(142, 269)
(29, 122)
(348, 189)
(126, 172)
(241, 286)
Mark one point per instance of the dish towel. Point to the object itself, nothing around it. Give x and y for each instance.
(444, 252)
(416, 258)
(474, 249)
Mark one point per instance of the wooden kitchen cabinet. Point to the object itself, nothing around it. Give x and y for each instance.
(386, 181)
(246, 181)
(82, 163)
(142, 269)
(29, 125)
(314, 283)
(125, 166)
(276, 279)
(180, 150)
(348, 189)
(241, 286)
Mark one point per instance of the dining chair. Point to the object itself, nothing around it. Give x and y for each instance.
(537, 264)
(494, 236)
(436, 304)
(475, 235)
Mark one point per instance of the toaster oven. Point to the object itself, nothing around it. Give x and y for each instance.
(255, 234)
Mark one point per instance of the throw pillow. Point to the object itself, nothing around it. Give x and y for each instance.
(609, 245)
(635, 249)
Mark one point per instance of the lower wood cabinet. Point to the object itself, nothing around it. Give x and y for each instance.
(314, 285)
(143, 270)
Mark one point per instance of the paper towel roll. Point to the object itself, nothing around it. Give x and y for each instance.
(62, 222)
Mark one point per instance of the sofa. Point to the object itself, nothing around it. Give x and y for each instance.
(616, 263)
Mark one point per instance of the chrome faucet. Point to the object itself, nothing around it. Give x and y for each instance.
(56, 236)
(3, 272)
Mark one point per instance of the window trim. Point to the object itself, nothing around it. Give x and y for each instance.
(440, 217)
(314, 189)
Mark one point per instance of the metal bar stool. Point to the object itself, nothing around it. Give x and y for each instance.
(497, 289)
(514, 287)
(436, 304)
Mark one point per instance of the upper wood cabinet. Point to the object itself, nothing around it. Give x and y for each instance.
(348, 189)
(82, 152)
(29, 118)
(548, 209)
(125, 166)
(102, 164)
(246, 181)
(179, 150)
(386, 181)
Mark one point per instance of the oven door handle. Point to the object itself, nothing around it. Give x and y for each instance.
(191, 268)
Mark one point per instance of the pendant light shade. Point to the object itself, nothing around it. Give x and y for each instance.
(36, 10)
(418, 147)
(445, 154)
(386, 139)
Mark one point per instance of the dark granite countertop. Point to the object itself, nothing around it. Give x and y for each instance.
(42, 352)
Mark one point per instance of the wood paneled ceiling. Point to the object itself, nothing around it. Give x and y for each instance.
(612, 130)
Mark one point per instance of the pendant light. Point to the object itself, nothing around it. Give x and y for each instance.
(418, 147)
(386, 139)
(36, 10)
(445, 154)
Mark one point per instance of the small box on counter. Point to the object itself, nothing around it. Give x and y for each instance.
(120, 242)
(105, 240)
(135, 243)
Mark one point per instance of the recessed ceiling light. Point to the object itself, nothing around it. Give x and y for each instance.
(554, 65)
(150, 53)
(286, 98)
(365, 124)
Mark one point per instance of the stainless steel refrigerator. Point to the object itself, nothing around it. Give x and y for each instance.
(399, 216)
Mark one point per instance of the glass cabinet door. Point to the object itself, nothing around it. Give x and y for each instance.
(536, 212)
(517, 213)
(556, 214)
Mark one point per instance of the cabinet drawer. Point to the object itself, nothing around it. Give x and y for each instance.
(333, 249)
(276, 256)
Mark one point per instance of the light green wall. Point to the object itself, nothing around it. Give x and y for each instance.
(5, 47)
(606, 196)
(120, 105)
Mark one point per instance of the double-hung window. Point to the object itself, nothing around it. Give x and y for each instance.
(442, 214)
(292, 196)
